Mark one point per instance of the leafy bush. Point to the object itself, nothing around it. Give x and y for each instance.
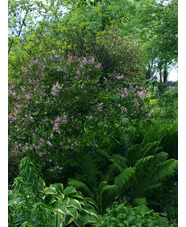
(31, 203)
(126, 215)
(58, 111)
(165, 107)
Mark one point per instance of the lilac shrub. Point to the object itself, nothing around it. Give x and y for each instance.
(60, 109)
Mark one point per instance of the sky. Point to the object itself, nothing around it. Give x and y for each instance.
(173, 75)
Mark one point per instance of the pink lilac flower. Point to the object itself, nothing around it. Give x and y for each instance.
(82, 85)
(132, 89)
(125, 93)
(142, 94)
(100, 106)
(89, 117)
(28, 96)
(71, 59)
(94, 143)
(25, 70)
(56, 129)
(98, 65)
(56, 88)
(123, 109)
(136, 103)
(31, 118)
(90, 59)
(105, 79)
(49, 143)
(119, 77)
(122, 119)
(41, 141)
(148, 115)
(51, 58)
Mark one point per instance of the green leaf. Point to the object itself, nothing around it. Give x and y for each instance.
(58, 187)
(75, 203)
(90, 210)
(68, 220)
(52, 200)
(87, 218)
(66, 202)
(70, 191)
(59, 208)
(50, 191)
(73, 212)
(60, 197)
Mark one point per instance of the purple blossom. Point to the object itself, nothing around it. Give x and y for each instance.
(98, 65)
(125, 93)
(119, 77)
(56, 88)
(71, 59)
(89, 117)
(49, 143)
(136, 102)
(123, 109)
(123, 119)
(142, 94)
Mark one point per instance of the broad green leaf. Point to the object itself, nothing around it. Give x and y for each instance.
(58, 187)
(50, 191)
(73, 212)
(60, 208)
(90, 210)
(75, 203)
(70, 191)
(66, 202)
(60, 197)
(69, 219)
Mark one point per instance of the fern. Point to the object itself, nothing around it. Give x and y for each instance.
(164, 170)
(119, 162)
(124, 176)
(143, 160)
(81, 186)
(90, 171)
(106, 195)
(154, 186)
(150, 148)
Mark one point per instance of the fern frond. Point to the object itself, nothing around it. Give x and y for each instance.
(164, 170)
(81, 186)
(90, 172)
(152, 187)
(162, 156)
(119, 162)
(103, 153)
(143, 160)
(150, 148)
(106, 194)
(105, 187)
(124, 176)
(112, 172)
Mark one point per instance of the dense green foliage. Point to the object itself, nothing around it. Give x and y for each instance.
(31, 203)
(125, 215)
(85, 111)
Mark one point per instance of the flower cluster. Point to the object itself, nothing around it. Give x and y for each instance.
(56, 119)
(59, 121)
(56, 89)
